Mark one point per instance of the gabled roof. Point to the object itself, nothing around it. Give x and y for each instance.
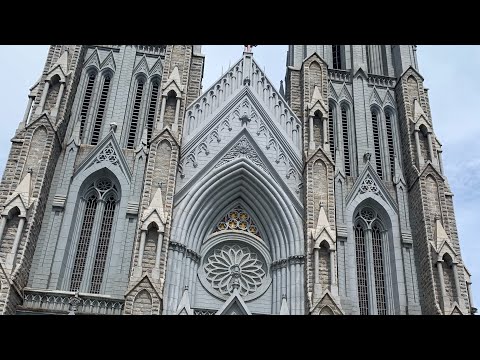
(234, 305)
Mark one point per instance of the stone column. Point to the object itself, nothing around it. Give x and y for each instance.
(325, 135)
(470, 299)
(316, 259)
(177, 112)
(137, 272)
(440, 162)
(10, 260)
(43, 98)
(430, 147)
(372, 298)
(54, 111)
(156, 269)
(3, 222)
(310, 125)
(457, 284)
(27, 110)
(333, 273)
(417, 146)
(442, 283)
(162, 111)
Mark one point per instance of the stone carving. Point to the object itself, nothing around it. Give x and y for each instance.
(369, 185)
(232, 264)
(107, 154)
(238, 219)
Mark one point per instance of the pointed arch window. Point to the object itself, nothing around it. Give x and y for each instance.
(98, 216)
(132, 132)
(337, 56)
(376, 143)
(97, 126)
(346, 142)
(391, 151)
(371, 243)
(331, 129)
(152, 108)
(87, 99)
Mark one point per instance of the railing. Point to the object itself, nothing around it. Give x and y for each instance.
(62, 302)
(339, 75)
(213, 99)
(203, 312)
(380, 80)
(152, 49)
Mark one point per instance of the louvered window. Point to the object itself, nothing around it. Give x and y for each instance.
(97, 128)
(337, 58)
(152, 109)
(376, 144)
(346, 150)
(132, 134)
(87, 98)
(331, 133)
(391, 153)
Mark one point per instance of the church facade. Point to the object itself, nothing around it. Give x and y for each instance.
(129, 189)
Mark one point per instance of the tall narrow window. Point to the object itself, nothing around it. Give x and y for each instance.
(391, 154)
(152, 109)
(346, 150)
(83, 243)
(132, 134)
(97, 128)
(337, 58)
(103, 241)
(331, 133)
(378, 270)
(361, 269)
(370, 258)
(87, 98)
(376, 144)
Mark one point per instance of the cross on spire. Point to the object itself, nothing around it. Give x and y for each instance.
(248, 48)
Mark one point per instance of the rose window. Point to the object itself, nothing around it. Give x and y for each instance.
(234, 265)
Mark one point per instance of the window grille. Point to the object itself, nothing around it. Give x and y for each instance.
(101, 111)
(86, 103)
(391, 154)
(361, 270)
(376, 144)
(102, 248)
(152, 109)
(135, 114)
(346, 153)
(331, 134)
(83, 243)
(238, 219)
(337, 58)
(378, 270)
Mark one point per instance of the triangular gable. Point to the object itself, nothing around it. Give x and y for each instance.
(317, 103)
(375, 98)
(360, 72)
(155, 211)
(370, 182)
(184, 305)
(93, 59)
(157, 68)
(389, 99)
(109, 61)
(323, 226)
(284, 310)
(418, 112)
(144, 279)
(318, 152)
(173, 83)
(440, 234)
(21, 196)
(409, 71)
(46, 123)
(345, 95)
(446, 247)
(60, 67)
(315, 55)
(169, 134)
(142, 66)
(429, 167)
(107, 150)
(456, 310)
(234, 305)
(326, 300)
(331, 92)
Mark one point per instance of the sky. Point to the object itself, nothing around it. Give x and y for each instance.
(450, 74)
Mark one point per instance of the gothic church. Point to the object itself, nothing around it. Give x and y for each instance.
(129, 189)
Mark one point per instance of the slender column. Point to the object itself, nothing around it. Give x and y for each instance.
(10, 260)
(457, 284)
(159, 249)
(3, 222)
(54, 111)
(325, 135)
(27, 110)
(417, 146)
(440, 162)
(43, 98)
(143, 237)
(430, 147)
(333, 273)
(177, 112)
(316, 256)
(310, 125)
(162, 111)
(372, 298)
(442, 282)
(470, 299)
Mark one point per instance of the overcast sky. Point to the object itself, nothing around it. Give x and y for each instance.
(449, 72)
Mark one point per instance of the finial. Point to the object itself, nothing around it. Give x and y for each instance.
(113, 126)
(185, 288)
(248, 48)
(160, 184)
(284, 296)
(30, 170)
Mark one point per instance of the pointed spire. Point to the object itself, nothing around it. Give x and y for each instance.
(322, 223)
(184, 305)
(157, 203)
(174, 80)
(282, 91)
(284, 308)
(317, 99)
(62, 61)
(440, 233)
(418, 111)
(175, 76)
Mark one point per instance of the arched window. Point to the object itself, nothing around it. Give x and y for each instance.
(391, 152)
(376, 143)
(331, 129)
(132, 133)
(423, 135)
(97, 126)
(376, 58)
(337, 56)
(370, 244)
(346, 147)
(152, 108)
(99, 205)
(318, 128)
(449, 279)
(87, 98)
